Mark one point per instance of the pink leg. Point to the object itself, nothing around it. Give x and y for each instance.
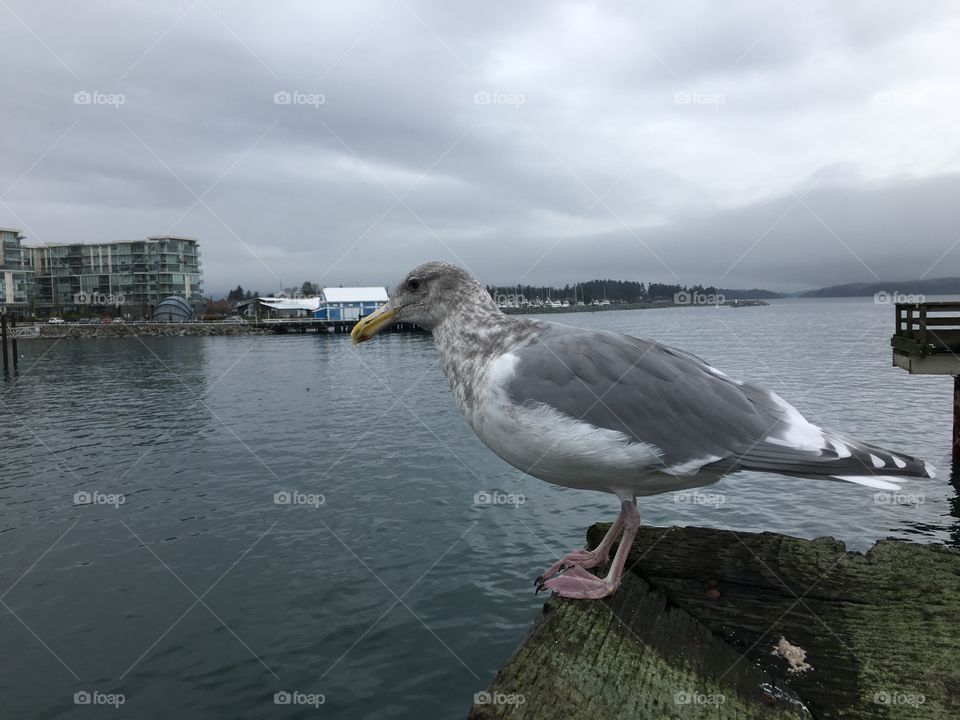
(578, 584)
(586, 558)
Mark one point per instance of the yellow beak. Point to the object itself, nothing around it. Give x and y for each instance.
(372, 324)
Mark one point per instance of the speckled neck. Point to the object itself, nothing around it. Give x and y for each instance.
(470, 336)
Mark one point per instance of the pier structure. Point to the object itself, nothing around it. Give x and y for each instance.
(321, 325)
(926, 341)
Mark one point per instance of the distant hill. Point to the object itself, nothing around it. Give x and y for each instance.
(934, 286)
(752, 294)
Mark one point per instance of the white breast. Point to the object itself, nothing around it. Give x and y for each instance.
(550, 445)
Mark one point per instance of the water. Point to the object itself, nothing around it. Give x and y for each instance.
(398, 597)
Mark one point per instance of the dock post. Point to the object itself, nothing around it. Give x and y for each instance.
(13, 342)
(956, 419)
(3, 337)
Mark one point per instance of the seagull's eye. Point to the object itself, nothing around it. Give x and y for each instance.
(413, 283)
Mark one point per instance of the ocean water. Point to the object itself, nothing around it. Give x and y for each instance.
(287, 514)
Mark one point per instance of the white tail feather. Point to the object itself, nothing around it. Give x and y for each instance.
(880, 482)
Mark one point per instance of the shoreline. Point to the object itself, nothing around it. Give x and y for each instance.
(66, 331)
(46, 331)
(629, 306)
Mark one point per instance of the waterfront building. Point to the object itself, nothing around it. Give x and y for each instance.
(332, 303)
(350, 303)
(278, 307)
(173, 309)
(127, 278)
(15, 272)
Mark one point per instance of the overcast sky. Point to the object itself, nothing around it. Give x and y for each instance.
(778, 144)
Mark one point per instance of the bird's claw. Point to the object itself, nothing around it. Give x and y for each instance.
(577, 559)
(541, 582)
(578, 584)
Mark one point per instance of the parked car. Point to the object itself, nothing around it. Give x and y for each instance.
(85, 321)
(55, 321)
(119, 321)
(106, 321)
(235, 320)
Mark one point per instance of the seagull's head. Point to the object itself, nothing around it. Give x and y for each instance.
(426, 295)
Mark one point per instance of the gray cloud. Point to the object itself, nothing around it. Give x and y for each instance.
(543, 141)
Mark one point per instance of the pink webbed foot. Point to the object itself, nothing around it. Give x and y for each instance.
(585, 558)
(578, 584)
(578, 558)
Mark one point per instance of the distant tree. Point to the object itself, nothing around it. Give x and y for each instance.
(309, 289)
(235, 295)
(218, 308)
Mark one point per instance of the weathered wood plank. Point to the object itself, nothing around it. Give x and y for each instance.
(692, 631)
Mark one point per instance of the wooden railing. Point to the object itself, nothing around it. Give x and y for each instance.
(927, 328)
(24, 331)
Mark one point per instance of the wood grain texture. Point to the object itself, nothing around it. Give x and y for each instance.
(692, 630)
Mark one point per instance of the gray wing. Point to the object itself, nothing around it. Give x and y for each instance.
(690, 411)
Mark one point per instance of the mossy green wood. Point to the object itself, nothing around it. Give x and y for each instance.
(692, 631)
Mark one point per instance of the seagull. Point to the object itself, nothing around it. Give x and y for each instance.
(600, 410)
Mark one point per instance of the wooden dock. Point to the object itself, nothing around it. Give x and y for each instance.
(927, 338)
(717, 624)
(926, 341)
